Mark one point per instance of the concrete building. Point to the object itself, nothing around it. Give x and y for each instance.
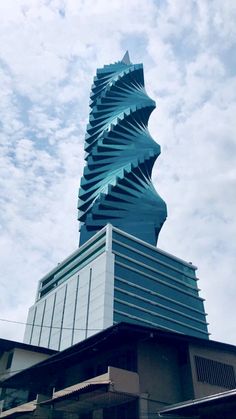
(115, 277)
(131, 372)
(15, 357)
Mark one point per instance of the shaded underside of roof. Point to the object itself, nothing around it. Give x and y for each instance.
(75, 391)
(88, 398)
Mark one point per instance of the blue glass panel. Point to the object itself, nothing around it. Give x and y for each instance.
(122, 317)
(175, 316)
(156, 264)
(163, 300)
(154, 282)
(187, 269)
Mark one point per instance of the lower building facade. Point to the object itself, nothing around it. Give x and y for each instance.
(131, 372)
(115, 277)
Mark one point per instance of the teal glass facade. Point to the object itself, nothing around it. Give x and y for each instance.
(154, 288)
(120, 154)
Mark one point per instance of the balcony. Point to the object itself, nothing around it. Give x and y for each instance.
(116, 386)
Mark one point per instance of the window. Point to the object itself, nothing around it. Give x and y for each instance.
(9, 360)
(126, 360)
(14, 397)
(215, 373)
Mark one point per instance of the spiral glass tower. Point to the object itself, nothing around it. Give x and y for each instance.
(116, 186)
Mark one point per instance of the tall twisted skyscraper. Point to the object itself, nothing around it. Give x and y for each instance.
(117, 274)
(116, 186)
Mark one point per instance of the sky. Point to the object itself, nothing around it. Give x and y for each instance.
(49, 53)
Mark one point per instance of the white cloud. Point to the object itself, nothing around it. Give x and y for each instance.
(48, 55)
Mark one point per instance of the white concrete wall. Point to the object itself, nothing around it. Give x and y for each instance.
(21, 359)
(95, 297)
(3, 362)
(76, 309)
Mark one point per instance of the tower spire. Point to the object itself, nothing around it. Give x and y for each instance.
(126, 59)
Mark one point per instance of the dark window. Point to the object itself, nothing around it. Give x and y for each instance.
(215, 373)
(126, 360)
(9, 360)
(14, 397)
(2, 393)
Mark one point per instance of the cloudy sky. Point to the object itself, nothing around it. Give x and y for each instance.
(49, 52)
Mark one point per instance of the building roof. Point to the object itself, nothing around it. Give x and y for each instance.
(8, 345)
(214, 405)
(41, 373)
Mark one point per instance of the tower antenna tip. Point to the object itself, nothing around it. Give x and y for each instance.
(126, 59)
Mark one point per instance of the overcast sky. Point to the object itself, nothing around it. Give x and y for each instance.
(49, 52)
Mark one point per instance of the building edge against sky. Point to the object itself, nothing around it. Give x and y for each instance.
(115, 277)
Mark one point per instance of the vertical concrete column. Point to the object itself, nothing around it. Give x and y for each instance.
(109, 280)
(43, 411)
(108, 238)
(143, 405)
